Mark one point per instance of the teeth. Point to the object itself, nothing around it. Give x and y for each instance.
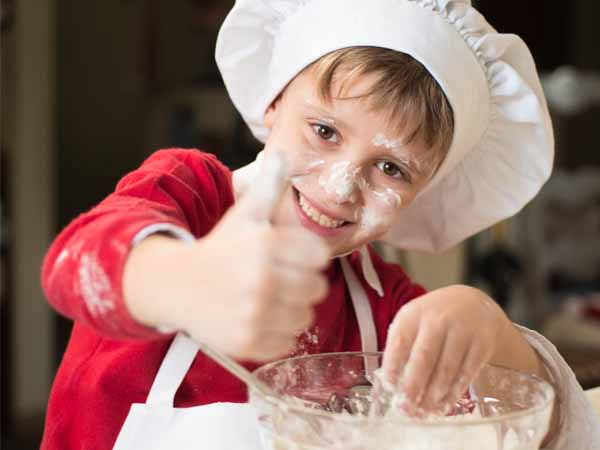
(316, 216)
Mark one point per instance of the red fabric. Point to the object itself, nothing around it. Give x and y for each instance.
(111, 360)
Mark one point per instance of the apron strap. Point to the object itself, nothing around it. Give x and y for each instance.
(172, 371)
(366, 324)
(183, 350)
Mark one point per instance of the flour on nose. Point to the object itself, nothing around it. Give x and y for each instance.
(340, 180)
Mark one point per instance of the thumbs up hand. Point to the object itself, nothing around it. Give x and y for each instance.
(249, 286)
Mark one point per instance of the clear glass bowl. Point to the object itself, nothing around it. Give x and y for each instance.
(512, 411)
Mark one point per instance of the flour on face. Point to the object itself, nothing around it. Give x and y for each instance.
(340, 180)
(375, 219)
(314, 164)
(369, 218)
(390, 197)
(380, 140)
(396, 149)
(327, 120)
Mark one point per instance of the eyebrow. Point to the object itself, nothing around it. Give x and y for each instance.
(410, 162)
(325, 116)
(395, 150)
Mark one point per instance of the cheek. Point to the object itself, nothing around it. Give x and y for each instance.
(389, 197)
(375, 220)
(380, 211)
(305, 182)
(301, 156)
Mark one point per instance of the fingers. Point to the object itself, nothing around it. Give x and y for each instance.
(269, 346)
(289, 321)
(401, 336)
(473, 361)
(448, 368)
(245, 176)
(452, 343)
(300, 248)
(262, 198)
(297, 286)
(423, 357)
(278, 335)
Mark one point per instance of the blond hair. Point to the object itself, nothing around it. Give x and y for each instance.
(416, 105)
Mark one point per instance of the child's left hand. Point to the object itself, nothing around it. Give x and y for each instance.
(442, 340)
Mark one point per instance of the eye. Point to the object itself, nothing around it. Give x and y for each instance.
(392, 170)
(326, 133)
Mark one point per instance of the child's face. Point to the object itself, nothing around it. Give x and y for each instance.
(351, 173)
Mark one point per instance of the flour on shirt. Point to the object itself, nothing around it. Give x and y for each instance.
(119, 247)
(62, 256)
(95, 286)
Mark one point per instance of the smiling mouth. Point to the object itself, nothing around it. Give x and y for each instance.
(316, 216)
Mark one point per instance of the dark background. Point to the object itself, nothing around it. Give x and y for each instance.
(131, 76)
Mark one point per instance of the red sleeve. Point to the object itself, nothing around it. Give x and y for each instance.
(81, 274)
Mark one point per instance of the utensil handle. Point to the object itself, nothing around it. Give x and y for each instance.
(237, 370)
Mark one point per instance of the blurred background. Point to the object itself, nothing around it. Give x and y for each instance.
(90, 89)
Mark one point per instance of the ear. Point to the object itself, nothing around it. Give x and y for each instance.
(271, 113)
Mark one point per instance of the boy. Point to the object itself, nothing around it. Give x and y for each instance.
(408, 121)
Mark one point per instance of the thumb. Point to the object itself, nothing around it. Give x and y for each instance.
(262, 198)
(245, 176)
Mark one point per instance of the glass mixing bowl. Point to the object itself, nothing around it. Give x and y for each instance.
(509, 410)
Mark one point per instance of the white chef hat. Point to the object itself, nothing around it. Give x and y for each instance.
(502, 149)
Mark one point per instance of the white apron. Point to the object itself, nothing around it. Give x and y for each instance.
(157, 425)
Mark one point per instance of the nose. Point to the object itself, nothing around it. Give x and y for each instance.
(339, 181)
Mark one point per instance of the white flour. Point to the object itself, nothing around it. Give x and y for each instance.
(374, 218)
(95, 286)
(381, 141)
(390, 197)
(394, 436)
(340, 180)
(290, 430)
(395, 147)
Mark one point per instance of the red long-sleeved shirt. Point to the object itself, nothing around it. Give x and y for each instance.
(111, 360)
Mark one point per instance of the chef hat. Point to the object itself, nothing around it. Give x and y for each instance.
(502, 147)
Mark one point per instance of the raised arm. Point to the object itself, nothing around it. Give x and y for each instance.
(183, 192)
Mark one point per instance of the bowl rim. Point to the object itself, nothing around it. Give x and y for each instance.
(547, 388)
